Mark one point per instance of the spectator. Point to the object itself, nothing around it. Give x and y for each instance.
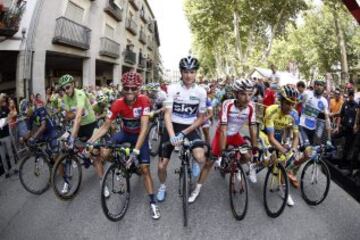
(12, 120)
(301, 88)
(269, 96)
(345, 128)
(5, 139)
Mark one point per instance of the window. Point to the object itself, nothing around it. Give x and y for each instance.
(74, 12)
(109, 31)
(118, 3)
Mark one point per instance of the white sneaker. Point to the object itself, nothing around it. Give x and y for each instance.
(252, 173)
(155, 212)
(194, 195)
(65, 188)
(218, 162)
(106, 192)
(290, 202)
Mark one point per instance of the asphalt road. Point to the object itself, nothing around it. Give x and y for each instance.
(27, 216)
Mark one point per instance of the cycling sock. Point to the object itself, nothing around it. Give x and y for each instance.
(198, 187)
(152, 198)
(162, 186)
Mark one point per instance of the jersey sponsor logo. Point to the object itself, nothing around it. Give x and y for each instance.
(185, 109)
(194, 98)
(137, 112)
(321, 105)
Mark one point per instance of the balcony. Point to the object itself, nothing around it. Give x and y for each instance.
(109, 48)
(135, 4)
(151, 26)
(131, 26)
(142, 61)
(70, 33)
(114, 10)
(10, 18)
(150, 44)
(130, 57)
(143, 17)
(142, 37)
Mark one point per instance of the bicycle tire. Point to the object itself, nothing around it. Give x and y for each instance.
(154, 151)
(110, 173)
(185, 195)
(326, 172)
(239, 215)
(24, 182)
(56, 168)
(270, 172)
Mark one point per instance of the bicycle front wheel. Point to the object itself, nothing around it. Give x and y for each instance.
(34, 173)
(116, 182)
(185, 194)
(154, 140)
(66, 177)
(238, 191)
(315, 182)
(276, 190)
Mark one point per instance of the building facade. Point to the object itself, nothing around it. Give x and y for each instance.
(93, 40)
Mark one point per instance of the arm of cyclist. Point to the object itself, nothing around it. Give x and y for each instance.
(168, 123)
(275, 142)
(198, 122)
(40, 130)
(144, 121)
(101, 131)
(223, 129)
(77, 119)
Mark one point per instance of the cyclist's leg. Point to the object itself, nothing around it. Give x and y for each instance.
(164, 156)
(85, 132)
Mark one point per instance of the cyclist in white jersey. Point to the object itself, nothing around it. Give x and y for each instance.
(314, 120)
(185, 107)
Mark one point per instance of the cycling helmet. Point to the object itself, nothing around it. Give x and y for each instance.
(289, 93)
(242, 85)
(189, 63)
(101, 98)
(320, 80)
(25, 107)
(65, 79)
(131, 79)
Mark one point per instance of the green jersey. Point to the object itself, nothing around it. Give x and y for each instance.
(80, 100)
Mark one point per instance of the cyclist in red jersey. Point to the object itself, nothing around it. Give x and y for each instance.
(134, 110)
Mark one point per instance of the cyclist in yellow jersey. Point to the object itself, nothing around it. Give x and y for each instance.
(279, 119)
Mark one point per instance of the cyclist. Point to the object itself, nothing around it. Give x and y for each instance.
(313, 120)
(100, 107)
(184, 113)
(78, 108)
(42, 128)
(234, 115)
(280, 118)
(134, 110)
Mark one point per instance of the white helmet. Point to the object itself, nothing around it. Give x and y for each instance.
(242, 85)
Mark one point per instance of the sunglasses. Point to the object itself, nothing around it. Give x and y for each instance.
(66, 87)
(127, 89)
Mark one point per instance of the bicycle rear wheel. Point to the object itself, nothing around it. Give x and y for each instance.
(185, 194)
(154, 140)
(66, 177)
(35, 173)
(116, 179)
(315, 182)
(238, 192)
(276, 190)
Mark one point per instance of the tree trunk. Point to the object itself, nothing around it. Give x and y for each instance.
(342, 45)
(238, 47)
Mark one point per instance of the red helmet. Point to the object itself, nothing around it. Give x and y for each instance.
(131, 79)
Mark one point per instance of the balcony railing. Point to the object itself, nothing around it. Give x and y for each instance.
(109, 48)
(130, 57)
(142, 37)
(142, 61)
(10, 18)
(114, 10)
(131, 26)
(70, 33)
(135, 4)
